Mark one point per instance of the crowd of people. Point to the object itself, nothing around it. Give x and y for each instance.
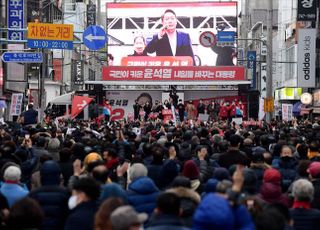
(215, 110)
(154, 175)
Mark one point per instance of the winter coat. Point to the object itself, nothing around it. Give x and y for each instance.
(54, 201)
(13, 192)
(305, 218)
(201, 108)
(28, 166)
(316, 197)
(258, 169)
(165, 222)
(189, 201)
(288, 170)
(205, 169)
(223, 112)
(154, 173)
(82, 216)
(233, 156)
(185, 152)
(66, 171)
(142, 194)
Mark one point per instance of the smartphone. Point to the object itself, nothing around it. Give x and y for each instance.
(27, 136)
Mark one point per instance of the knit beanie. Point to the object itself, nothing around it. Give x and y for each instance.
(190, 170)
(272, 176)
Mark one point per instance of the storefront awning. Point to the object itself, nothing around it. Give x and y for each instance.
(316, 109)
(63, 99)
(305, 111)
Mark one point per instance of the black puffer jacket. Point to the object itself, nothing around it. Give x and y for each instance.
(52, 197)
(305, 218)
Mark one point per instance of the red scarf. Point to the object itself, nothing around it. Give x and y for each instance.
(301, 204)
(11, 182)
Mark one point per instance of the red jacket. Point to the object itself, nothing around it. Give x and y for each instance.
(223, 111)
(233, 110)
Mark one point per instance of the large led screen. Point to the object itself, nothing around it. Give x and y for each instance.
(172, 34)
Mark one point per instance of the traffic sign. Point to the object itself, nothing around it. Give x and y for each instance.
(226, 36)
(23, 57)
(94, 37)
(50, 36)
(207, 39)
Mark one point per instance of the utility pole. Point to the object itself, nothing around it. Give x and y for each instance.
(269, 81)
(99, 13)
(42, 73)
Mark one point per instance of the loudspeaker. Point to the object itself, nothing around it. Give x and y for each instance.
(253, 103)
(243, 90)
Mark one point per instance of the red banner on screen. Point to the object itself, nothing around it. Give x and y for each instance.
(156, 61)
(181, 73)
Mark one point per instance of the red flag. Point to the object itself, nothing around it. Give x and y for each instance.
(78, 104)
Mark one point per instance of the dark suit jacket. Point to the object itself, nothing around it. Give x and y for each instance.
(162, 46)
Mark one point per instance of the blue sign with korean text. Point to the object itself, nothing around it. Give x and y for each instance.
(94, 37)
(251, 65)
(226, 36)
(15, 19)
(50, 44)
(251, 59)
(23, 57)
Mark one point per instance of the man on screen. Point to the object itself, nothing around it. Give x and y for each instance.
(169, 41)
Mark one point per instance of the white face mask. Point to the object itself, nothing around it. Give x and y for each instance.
(72, 203)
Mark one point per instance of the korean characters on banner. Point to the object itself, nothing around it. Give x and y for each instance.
(172, 74)
(123, 102)
(15, 17)
(287, 110)
(170, 35)
(16, 104)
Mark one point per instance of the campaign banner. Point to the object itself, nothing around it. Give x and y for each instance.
(167, 115)
(307, 57)
(16, 104)
(287, 114)
(122, 101)
(172, 74)
(156, 61)
(141, 22)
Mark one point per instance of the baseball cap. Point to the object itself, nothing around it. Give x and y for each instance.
(125, 216)
(314, 169)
